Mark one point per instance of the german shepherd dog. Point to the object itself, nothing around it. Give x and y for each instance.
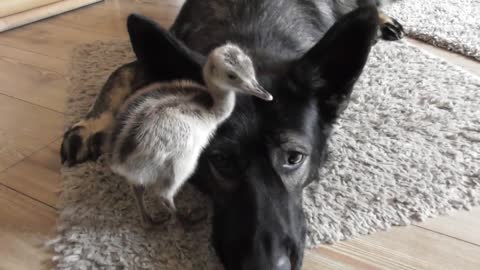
(308, 54)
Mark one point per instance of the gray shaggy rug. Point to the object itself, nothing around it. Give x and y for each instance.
(407, 148)
(449, 24)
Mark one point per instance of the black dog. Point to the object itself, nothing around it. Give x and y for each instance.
(308, 54)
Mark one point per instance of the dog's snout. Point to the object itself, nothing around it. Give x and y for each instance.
(265, 209)
(283, 263)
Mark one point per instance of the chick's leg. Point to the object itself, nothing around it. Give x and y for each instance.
(139, 193)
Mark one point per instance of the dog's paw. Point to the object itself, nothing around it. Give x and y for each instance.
(391, 29)
(81, 144)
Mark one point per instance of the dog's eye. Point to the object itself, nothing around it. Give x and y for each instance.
(294, 159)
(219, 160)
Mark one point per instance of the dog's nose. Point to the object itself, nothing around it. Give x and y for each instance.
(283, 263)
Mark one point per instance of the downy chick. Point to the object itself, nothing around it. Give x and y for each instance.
(161, 130)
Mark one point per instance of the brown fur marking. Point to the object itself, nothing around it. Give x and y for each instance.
(88, 127)
(384, 18)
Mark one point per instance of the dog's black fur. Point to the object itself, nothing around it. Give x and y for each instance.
(262, 157)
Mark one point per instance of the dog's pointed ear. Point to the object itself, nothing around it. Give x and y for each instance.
(163, 55)
(330, 69)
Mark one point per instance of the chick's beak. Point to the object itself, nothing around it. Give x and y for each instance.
(255, 89)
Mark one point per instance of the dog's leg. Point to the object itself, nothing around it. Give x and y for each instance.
(85, 139)
(390, 29)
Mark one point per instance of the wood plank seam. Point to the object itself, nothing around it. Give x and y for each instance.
(22, 160)
(31, 103)
(84, 29)
(9, 59)
(26, 50)
(34, 152)
(28, 196)
(446, 235)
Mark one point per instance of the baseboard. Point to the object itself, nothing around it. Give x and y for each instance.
(40, 13)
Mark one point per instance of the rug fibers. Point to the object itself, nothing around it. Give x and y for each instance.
(449, 24)
(407, 148)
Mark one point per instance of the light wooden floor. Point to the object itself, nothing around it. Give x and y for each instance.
(33, 64)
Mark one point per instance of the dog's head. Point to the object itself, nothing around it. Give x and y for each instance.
(262, 157)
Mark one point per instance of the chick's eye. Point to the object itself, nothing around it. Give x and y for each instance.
(231, 76)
